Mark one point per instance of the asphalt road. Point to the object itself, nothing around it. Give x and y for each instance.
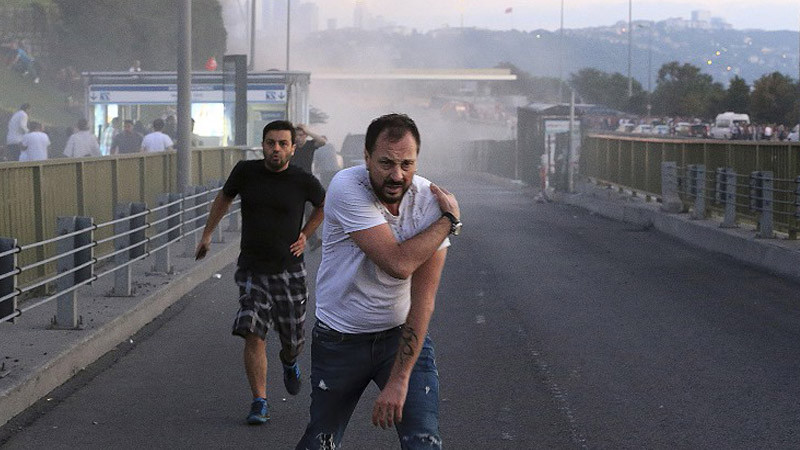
(554, 328)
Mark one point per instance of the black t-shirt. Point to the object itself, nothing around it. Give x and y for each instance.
(272, 212)
(127, 142)
(304, 156)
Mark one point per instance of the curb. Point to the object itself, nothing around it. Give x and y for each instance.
(94, 345)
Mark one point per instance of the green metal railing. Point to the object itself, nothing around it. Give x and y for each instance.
(635, 163)
(34, 194)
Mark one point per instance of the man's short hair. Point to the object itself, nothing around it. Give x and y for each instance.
(25, 106)
(34, 126)
(278, 125)
(128, 122)
(158, 124)
(83, 124)
(396, 126)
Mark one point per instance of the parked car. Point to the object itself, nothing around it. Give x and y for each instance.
(353, 149)
(661, 129)
(683, 128)
(698, 130)
(643, 129)
(626, 127)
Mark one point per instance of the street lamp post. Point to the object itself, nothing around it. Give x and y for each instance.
(288, 30)
(649, 65)
(630, 47)
(561, 55)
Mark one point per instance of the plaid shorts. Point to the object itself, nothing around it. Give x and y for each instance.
(275, 301)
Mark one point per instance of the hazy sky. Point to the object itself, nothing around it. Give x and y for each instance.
(535, 14)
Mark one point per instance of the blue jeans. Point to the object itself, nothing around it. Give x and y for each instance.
(342, 365)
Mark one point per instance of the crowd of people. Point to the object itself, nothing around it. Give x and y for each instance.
(28, 141)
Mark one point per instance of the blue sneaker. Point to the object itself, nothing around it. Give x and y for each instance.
(258, 412)
(291, 378)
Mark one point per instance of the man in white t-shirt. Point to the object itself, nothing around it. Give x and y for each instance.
(384, 247)
(17, 127)
(35, 143)
(157, 141)
(82, 143)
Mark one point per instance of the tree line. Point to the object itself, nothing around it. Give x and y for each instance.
(681, 90)
(109, 35)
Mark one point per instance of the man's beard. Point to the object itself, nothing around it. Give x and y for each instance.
(388, 198)
(275, 164)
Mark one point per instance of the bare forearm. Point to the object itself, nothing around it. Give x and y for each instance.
(412, 253)
(424, 285)
(219, 207)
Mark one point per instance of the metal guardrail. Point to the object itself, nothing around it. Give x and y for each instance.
(177, 217)
(637, 164)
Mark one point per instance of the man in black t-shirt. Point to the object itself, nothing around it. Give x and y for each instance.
(304, 156)
(271, 273)
(127, 141)
(304, 159)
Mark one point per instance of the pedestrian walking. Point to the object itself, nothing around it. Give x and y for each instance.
(385, 239)
(271, 274)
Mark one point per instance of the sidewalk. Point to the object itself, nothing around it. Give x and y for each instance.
(778, 256)
(35, 359)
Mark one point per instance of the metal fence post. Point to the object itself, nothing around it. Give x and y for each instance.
(670, 201)
(162, 257)
(726, 194)
(765, 222)
(190, 220)
(122, 277)
(8, 285)
(67, 307)
(217, 236)
(697, 187)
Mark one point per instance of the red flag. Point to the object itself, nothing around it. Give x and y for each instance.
(509, 10)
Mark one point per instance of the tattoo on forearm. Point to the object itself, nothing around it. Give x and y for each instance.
(408, 342)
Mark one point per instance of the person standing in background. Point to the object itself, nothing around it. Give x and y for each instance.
(304, 156)
(128, 141)
(111, 130)
(157, 141)
(36, 143)
(17, 127)
(82, 143)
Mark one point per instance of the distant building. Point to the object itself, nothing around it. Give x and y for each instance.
(701, 16)
(305, 19)
(359, 13)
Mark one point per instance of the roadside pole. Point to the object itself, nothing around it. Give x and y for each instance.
(184, 96)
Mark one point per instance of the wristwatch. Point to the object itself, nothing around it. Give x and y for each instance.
(455, 224)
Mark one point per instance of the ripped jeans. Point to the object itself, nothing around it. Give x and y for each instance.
(342, 366)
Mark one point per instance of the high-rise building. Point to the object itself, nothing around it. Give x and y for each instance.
(359, 15)
(305, 19)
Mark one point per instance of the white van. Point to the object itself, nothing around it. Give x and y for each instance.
(725, 123)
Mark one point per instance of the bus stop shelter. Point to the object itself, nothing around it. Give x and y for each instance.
(146, 96)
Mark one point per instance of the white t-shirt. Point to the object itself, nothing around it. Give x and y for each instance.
(82, 144)
(17, 127)
(156, 142)
(35, 143)
(353, 294)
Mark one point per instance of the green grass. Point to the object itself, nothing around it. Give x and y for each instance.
(47, 102)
